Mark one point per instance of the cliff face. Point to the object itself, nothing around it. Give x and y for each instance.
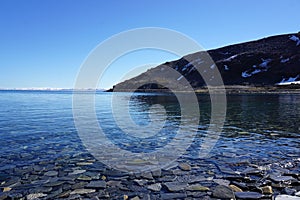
(263, 62)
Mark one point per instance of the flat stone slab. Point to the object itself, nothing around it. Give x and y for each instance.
(248, 195)
(175, 186)
(96, 184)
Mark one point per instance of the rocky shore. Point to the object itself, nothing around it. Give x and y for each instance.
(82, 177)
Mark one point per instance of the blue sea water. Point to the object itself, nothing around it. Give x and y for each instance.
(259, 127)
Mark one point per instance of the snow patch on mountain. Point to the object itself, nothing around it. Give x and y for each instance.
(296, 39)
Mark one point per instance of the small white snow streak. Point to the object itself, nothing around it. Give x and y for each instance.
(196, 61)
(230, 58)
(289, 81)
(296, 39)
(226, 67)
(263, 68)
(285, 60)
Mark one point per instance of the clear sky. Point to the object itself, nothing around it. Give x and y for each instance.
(44, 42)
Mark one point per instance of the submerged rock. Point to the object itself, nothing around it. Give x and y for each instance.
(248, 195)
(223, 192)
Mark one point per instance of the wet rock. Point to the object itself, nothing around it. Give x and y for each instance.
(84, 178)
(155, 187)
(248, 195)
(78, 171)
(135, 198)
(79, 185)
(113, 183)
(3, 196)
(54, 183)
(97, 184)
(241, 185)
(51, 173)
(267, 190)
(297, 193)
(83, 163)
(156, 173)
(55, 193)
(7, 189)
(140, 182)
(281, 178)
(223, 192)
(35, 196)
(173, 195)
(147, 175)
(289, 191)
(286, 197)
(83, 191)
(235, 188)
(175, 186)
(250, 170)
(197, 187)
(221, 182)
(185, 167)
(64, 194)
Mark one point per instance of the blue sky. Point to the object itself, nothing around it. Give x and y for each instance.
(43, 43)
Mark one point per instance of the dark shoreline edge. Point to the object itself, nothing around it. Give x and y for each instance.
(240, 89)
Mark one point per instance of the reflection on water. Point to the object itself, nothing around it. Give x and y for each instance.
(42, 123)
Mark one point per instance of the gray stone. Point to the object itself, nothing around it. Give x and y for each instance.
(156, 173)
(289, 191)
(197, 187)
(83, 191)
(156, 187)
(221, 182)
(281, 178)
(185, 167)
(223, 192)
(51, 173)
(248, 195)
(78, 171)
(286, 197)
(175, 186)
(35, 196)
(96, 184)
(173, 195)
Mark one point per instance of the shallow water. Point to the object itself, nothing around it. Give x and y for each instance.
(37, 128)
(43, 121)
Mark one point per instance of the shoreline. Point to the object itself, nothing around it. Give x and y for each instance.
(230, 89)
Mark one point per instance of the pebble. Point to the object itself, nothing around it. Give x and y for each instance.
(235, 188)
(7, 189)
(267, 190)
(78, 171)
(84, 178)
(286, 197)
(175, 186)
(197, 187)
(96, 184)
(223, 192)
(173, 195)
(83, 191)
(156, 187)
(185, 167)
(35, 196)
(248, 195)
(221, 182)
(51, 173)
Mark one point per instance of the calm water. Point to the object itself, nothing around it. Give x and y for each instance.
(39, 125)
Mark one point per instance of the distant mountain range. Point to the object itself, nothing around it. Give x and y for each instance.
(269, 61)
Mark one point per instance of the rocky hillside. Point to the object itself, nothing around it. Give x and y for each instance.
(265, 62)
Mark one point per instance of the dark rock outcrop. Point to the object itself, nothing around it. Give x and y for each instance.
(264, 62)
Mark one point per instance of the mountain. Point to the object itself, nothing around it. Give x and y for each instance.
(269, 61)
